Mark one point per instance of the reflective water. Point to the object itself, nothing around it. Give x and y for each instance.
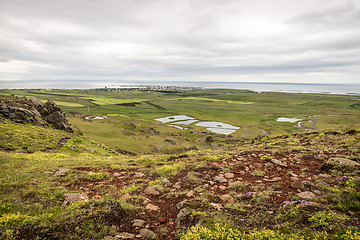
(188, 122)
(174, 118)
(178, 127)
(292, 120)
(216, 125)
(221, 130)
(95, 118)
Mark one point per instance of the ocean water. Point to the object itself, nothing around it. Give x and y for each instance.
(348, 89)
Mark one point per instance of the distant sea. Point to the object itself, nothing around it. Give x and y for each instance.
(348, 89)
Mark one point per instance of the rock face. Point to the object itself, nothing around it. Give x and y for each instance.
(32, 110)
(75, 197)
(343, 161)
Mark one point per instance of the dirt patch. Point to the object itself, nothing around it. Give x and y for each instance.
(129, 104)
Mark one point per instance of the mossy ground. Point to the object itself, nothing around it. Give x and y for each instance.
(32, 198)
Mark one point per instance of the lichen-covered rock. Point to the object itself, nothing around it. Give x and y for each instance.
(32, 110)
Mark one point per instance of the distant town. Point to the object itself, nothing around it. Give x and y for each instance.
(146, 87)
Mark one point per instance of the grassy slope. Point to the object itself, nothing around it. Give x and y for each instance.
(32, 198)
(31, 204)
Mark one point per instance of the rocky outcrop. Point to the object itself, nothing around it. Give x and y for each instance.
(32, 110)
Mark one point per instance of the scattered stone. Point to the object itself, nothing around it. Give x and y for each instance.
(146, 201)
(247, 169)
(152, 207)
(109, 238)
(227, 198)
(229, 175)
(117, 174)
(207, 176)
(257, 165)
(234, 184)
(138, 223)
(61, 172)
(298, 184)
(242, 172)
(165, 180)
(83, 188)
(217, 206)
(209, 139)
(294, 178)
(220, 179)
(125, 196)
(147, 234)
(343, 161)
(275, 179)
(293, 174)
(190, 193)
(306, 195)
(75, 197)
(97, 197)
(180, 205)
(177, 185)
(317, 192)
(151, 190)
(180, 215)
(222, 188)
(211, 183)
(278, 162)
(72, 147)
(325, 176)
(215, 166)
(125, 235)
(90, 150)
(138, 175)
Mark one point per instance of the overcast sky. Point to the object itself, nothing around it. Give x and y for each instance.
(307, 41)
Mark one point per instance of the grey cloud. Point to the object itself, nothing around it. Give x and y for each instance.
(156, 39)
(344, 16)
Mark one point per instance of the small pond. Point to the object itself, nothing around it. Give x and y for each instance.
(95, 118)
(216, 127)
(178, 127)
(188, 122)
(174, 118)
(284, 119)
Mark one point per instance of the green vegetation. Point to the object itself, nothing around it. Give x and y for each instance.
(255, 113)
(110, 163)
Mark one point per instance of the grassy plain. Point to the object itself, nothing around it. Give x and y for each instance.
(133, 128)
(32, 196)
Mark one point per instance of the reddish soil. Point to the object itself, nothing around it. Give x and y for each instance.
(243, 166)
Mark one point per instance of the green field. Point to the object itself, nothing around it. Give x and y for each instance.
(133, 128)
(207, 185)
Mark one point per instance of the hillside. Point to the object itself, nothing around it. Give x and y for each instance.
(62, 185)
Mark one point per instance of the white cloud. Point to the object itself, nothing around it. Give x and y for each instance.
(231, 40)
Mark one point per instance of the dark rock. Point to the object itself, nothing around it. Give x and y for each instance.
(180, 215)
(75, 197)
(61, 172)
(343, 161)
(147, 234)
(31, 110)
(298, 184)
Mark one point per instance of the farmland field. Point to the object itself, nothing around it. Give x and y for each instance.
(130, 124)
